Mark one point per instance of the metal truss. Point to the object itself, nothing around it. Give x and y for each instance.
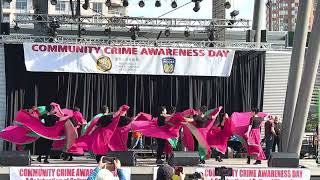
(131, 21)
(142, 43)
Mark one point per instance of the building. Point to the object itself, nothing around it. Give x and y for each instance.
(282, 14)
(97, 7)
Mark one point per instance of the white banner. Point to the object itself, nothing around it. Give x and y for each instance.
(259, 173)
(56, 173)
(46, 57)
(254, 173)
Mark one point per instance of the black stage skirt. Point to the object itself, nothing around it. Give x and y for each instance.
(43, 146)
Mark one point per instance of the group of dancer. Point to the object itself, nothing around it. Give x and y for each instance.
(198, 129)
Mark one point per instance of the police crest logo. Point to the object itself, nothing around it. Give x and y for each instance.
(168, 64)
(104, 63)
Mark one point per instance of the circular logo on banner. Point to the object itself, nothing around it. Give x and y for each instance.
(168, 64)
(104, 63)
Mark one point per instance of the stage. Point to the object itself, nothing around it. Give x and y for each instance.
(144, 169)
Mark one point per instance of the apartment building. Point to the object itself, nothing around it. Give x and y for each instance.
(96, 7)
(282, 15)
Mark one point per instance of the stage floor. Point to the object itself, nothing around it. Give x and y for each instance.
(144, 166)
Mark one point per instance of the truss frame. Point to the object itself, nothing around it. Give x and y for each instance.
(21, 38)
(28, 18)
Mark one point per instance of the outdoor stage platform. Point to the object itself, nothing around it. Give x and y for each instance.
(144, 169)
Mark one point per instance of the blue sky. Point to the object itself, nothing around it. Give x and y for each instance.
(244, 6)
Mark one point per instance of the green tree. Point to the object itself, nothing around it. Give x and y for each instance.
(312, 122)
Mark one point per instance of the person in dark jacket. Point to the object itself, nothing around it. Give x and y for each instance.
(43, 145)
(200, 121)
(162, 114)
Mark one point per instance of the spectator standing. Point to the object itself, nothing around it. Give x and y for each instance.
(137, 140)
(269, 135)
(277, 128)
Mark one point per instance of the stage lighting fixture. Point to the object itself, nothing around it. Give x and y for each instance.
(167, 32)
(269, 3)
(227, 5)
(141, 3)
(211, 31)
(174, 4)
(107, 31)
(186, 32)
(108, 3)
(52, 39)
(85, 5)
(234, 13)
(54, 24)
(158, 3)
(52, 32)
(125, 3)
(83, 31)
(134, 31)
(53, 2)
(196, 5)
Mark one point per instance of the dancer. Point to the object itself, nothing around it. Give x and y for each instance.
(124, 120)
(97, 140)
(77, 121)
(253, 138)
(162, 114)
(200, 121)
(104, 121)
(43, 145)
(220, 136)
(168, 148)
(119, 139)
(104, 110)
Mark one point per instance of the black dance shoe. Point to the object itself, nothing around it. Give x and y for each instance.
(219, 159)
(70, 159)
(248, 160)
(257, 162)
(39, 158)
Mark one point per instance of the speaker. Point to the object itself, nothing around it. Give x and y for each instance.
(5, 28)
(283, 160)
(127, 158)
(250, 35)
(15, 158)
(184, 159)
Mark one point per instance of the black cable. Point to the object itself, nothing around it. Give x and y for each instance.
(175, 9)
(169, 13)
